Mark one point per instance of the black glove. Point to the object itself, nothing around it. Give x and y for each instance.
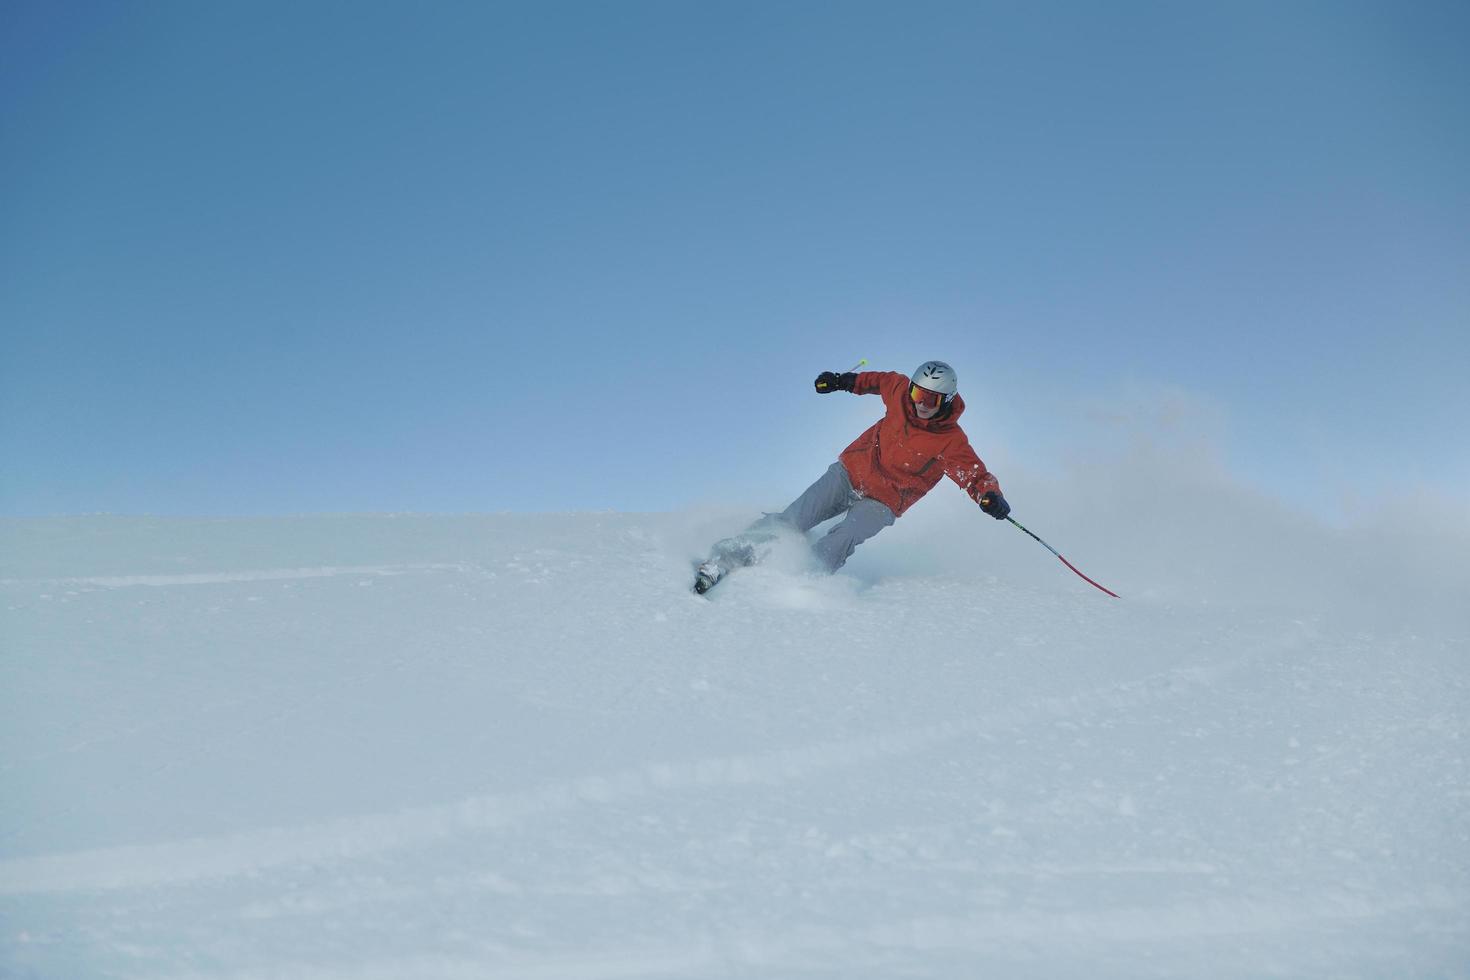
(994, 504)
(828, 382)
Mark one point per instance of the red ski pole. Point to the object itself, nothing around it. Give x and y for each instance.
(1063, 560)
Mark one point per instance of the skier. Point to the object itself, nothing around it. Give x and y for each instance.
(881, 475)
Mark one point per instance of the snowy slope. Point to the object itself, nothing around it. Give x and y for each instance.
(517, 746)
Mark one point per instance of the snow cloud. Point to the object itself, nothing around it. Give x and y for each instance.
(1148, 502)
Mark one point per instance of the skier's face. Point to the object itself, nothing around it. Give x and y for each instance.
(926, 403)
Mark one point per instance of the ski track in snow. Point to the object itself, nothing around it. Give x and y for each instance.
(852, 951)
(357, 837)
(222, 578)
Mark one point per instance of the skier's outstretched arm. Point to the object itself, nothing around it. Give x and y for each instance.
(859, 383)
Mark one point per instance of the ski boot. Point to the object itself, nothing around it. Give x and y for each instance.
(706, 576)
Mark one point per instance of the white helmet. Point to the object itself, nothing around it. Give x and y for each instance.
(936, 376)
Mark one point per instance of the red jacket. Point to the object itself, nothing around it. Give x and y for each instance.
(902, 456)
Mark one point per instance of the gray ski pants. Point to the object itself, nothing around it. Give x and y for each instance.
(829, 496)
(825, 499)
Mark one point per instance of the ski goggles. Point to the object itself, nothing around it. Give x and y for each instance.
(925, 397)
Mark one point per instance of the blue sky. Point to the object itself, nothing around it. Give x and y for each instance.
(283, 258)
